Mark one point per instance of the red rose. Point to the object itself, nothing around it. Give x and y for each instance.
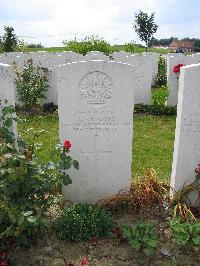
(176, 68)
(67, 144)
(84, 261)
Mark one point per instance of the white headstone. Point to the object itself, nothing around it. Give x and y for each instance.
(143, 80)
(96, 115)
(95, 55)
(154, 57)
(187, 138)
(120, 56)
(143, 77)
(7, 91)
(173, 78)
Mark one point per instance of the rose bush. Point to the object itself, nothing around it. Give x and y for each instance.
(27, 187)
(32, 83)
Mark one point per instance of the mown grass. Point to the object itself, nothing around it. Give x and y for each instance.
(47, 49)
(48, 139)
(153, 141)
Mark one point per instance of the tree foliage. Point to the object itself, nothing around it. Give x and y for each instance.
(145, 26)
(10, 40)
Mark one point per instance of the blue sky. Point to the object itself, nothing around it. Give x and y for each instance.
(52, 21)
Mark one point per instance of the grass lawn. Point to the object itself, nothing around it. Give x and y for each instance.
(153, 141)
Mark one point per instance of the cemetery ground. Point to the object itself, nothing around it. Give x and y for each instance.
(153, 138)
(140, 227)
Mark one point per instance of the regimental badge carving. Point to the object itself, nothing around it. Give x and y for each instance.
(96, 88)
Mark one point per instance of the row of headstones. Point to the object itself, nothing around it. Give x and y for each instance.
(146, 70)
(173, 78)
(147, 67)
(95, 103)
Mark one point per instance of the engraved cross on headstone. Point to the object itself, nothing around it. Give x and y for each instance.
(97, 151)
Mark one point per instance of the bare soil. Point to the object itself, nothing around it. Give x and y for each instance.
(51, 251)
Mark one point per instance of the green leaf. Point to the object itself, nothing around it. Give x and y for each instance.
(67, 180)
(76, 164)
(67, 165)
(21, 220)
(8, 122)
(8, 110)
(12, 217)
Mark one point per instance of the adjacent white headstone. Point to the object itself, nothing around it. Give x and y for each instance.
(173, 78)
(154, 57)
(143, 77)
(120, 56)
(7, 91)
(95, 55)
(187, 138)
(96, 115)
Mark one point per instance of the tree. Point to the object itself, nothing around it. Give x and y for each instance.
(10, 40)
(145, 26)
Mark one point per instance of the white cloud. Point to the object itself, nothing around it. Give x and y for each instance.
(111, 19)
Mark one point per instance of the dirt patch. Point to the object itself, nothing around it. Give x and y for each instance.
(51, 251)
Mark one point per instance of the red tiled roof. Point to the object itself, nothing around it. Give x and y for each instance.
(181, 44)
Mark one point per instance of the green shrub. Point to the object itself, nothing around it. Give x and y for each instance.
(130, 47)
(161, 79)
(141, 236)
(33, 45)
(156, 110)
(1, 47)
(49, 107)
(92, 43)
(159, 96)
(31, 83)
(84, 221)
(27, 188)
(186, 234)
